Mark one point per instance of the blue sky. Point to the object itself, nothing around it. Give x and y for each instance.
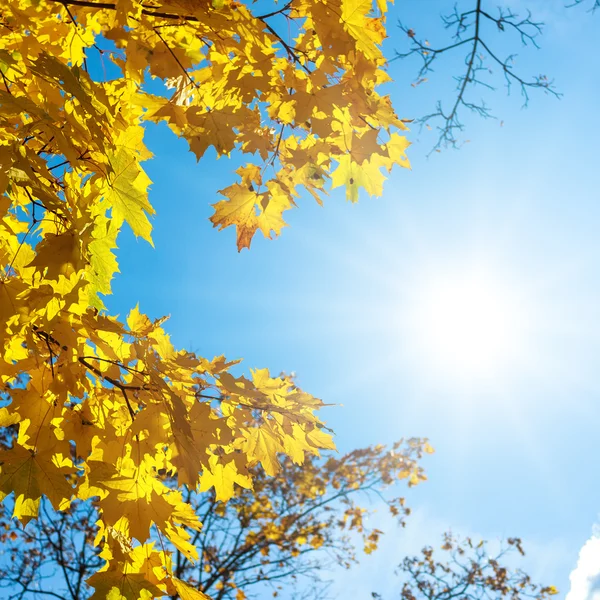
(333, 299)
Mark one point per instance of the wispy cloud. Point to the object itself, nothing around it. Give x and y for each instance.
(585, 577)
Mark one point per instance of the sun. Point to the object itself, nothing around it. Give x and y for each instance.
(468, 325)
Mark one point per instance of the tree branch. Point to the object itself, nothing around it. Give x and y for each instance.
(476, 64)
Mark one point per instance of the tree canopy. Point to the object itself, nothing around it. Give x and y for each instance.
(107, 409)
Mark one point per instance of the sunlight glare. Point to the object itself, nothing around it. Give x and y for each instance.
(468, 326)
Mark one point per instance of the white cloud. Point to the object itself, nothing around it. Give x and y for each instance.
(585, 578)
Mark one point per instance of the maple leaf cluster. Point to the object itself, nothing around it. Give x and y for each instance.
(107, 409)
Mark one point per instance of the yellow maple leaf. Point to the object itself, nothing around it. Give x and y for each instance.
(132, 500)
(103, 262)
(126, 186)
(263, 445)
(33, 473)
(354, 177)
(128, 577)
(186, 592)
(272, 206)
(214, 128)
(122, 586)
(396, 147)
(60, 254)
(368, 32)
(240, 210)
(138, 323)
(222, 476)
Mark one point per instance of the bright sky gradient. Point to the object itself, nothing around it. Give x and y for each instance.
(333, 299)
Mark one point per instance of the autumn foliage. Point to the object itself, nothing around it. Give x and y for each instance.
(106, 409)
(288, 531)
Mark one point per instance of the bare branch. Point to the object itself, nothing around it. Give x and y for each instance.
(471, 29)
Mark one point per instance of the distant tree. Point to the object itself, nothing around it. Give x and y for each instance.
(468, 571)
(291, 527)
